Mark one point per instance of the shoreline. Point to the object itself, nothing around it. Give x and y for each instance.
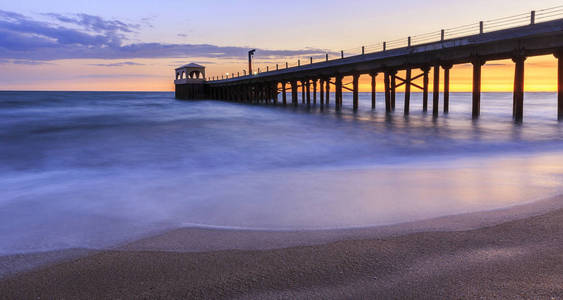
(317, 263)
(216, 238)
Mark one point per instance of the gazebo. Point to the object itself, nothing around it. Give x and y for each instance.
(190, 72)
(190, 81)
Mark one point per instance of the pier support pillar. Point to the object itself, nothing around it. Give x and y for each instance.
(518, 95)
(373, 75)
(302, 92)
(477, 64)
(355, 92)
(436, 91)
(274, 92)
(321, 91)
(393, 89)
(284, 96)
(327, 100)
(315, 91)
(407, 91)
(269, 93)
(447, 68)
(425, 70)
(258, 92)
(387, 84)
(255, 94)
(559, 55)
(243, 93)
(338, 92)
(294, 100)
(308, 89)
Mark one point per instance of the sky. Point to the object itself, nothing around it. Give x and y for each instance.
(135, 45)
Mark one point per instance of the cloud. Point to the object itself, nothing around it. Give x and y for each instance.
(81, 36)
(177, 63)
(182, 35)
(19, 33)
(122, 76)
(30, 62)
(119, 64)
(95, 23)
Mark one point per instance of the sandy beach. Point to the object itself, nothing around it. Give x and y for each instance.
(510, 253)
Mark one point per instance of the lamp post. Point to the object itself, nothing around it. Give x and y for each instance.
(250, 54)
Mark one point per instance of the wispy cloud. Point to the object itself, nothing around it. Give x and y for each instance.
(86, 36)
(94, 23)
(122, 76)
(24, 62)
(118, 64)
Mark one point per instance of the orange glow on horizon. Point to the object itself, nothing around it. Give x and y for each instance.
(158, 75)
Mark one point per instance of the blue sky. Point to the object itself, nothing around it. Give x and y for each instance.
(86, 38)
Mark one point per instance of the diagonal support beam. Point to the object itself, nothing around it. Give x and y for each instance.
(344, 87)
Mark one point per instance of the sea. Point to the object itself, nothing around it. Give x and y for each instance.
(97, 169)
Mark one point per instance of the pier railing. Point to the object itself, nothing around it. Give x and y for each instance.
(515, 21)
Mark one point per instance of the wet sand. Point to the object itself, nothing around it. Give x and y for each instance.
(511, 253)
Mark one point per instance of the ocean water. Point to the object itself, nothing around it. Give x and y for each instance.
(81, 169)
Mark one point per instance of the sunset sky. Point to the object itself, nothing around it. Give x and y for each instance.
(135, 45)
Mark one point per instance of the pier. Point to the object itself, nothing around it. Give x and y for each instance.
(416, 56)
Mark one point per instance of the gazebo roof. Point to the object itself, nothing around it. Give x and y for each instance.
(192, 65)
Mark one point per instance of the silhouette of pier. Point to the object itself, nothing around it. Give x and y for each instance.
(517, 38)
